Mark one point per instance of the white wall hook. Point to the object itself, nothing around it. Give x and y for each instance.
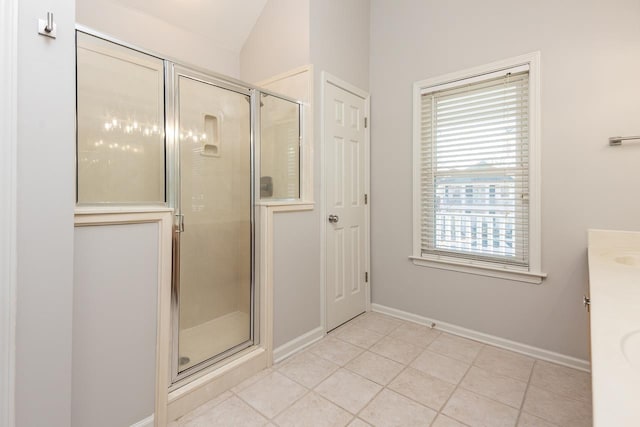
(47, 27)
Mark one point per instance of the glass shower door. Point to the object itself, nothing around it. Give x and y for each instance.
(213, 265)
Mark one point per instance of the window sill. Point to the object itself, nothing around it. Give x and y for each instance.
(470, 267)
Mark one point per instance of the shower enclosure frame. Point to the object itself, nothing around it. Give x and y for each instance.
(260, 333)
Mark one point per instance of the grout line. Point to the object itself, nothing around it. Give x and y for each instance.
(519, 408)
(401, 322)
(379, 355)
(437, 411)
(526, 390)
(179, 420)
(385, 387)
(307, 391)
(356, 416)
(357, 345)
(458, 385)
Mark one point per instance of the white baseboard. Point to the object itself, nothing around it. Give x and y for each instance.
(147, 422)
(506, 344)
(297, 344)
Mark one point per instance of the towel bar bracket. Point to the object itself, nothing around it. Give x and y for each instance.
(617, 140)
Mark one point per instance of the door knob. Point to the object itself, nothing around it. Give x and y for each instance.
(334, 219)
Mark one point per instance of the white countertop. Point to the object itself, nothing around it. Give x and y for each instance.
(614, 286)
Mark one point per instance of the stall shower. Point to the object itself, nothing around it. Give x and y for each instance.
(154, 133)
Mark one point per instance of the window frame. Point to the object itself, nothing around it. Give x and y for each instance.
(533, 272)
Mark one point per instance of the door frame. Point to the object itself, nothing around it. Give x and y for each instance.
(173, 71)
(325, 80)
(8, 206)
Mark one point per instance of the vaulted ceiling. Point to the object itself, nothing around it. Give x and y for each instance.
(225, 22)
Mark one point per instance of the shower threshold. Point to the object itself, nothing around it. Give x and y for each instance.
(201, 342)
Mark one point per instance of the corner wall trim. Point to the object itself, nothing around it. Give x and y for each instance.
(147, 422)
(538, 353)
(8, 213)
(298, 344)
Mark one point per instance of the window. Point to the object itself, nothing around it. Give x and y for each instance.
(476, 192)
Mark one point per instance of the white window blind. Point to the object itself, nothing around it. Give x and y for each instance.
(474, 169)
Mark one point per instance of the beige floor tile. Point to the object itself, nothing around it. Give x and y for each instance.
(442, 367)
(313, 411)
(505, 362)
(377, 322)
(415, 334)
(231, 412)
(272, 394)
(497, 387)
(357, 335)
(375, 367)
(557, 409)
(561, 380)
(395, 349)
(456, 347)
(204, 408)
(478, 411)
(528, 420)
(423, 388)
(252, 380)
(444, 421)
(335, 350)
(358, 423)
(348, 390)
(308, 369)
(391, 409)
(350, 380)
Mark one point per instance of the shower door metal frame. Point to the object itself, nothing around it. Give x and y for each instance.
(173, 72)
(171, 175)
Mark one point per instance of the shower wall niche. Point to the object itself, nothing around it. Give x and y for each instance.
(152, 133)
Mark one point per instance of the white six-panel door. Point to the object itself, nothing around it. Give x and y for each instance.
(346, 236)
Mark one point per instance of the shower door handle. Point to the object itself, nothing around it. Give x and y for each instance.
(180, 224)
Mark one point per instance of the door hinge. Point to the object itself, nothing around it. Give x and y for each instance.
(366, 277)
(366, 122)
(366, 199)
(180, 223)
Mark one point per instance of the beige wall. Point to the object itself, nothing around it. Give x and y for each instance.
(590, 91)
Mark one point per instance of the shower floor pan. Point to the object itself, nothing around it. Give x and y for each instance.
(209, 339)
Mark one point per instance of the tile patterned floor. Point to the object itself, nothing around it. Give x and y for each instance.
(380, 371)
